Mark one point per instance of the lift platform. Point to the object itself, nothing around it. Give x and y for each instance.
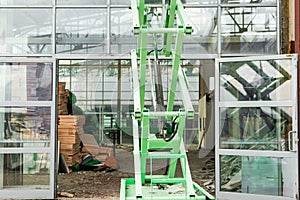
(167, 143)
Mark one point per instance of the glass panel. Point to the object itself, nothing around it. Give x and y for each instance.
(119, 2)
(80, 2)
(25, 31)
(257, 175)
(204, 38)
(258, 128)
(195, 2)
(25, 2)
(122, 2)
(81, 31)
(269, 80)
(25, 171)
(122, 39)
(26, 81)
(153, 1)
(248, 30)
(248, 1)
(25, 126)
(94, 84)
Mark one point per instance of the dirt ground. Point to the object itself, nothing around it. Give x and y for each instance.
(105, 185)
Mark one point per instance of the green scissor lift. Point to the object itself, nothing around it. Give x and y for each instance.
(168, 144)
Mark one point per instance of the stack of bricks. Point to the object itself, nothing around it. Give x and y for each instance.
(62, 102)
(69, 129)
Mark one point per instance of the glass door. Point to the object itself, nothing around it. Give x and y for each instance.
(256, 128)
(27, 128)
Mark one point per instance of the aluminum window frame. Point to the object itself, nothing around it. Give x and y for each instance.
(262, 153)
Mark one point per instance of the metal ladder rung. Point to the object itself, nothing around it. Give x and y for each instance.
(159, 180)
(152, 155)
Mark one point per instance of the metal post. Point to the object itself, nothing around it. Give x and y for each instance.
(119, 104)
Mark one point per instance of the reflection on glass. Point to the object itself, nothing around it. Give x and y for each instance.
(119, 2)
(122, 40)
(122, 2)
(204, 37)
(159, 2)
(258, 128)
(25, 31)
(256, 175)
(268, 80)
(25, 126)
(95, 86)
(80, 2)
(193, 2)
(153, 1)
(248, 30)
(26, 81)
(25, 2)
(25, 171)
(81, 31)
(249, 1)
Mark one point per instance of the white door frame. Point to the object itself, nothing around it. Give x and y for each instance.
(28, 192)
(291, 155)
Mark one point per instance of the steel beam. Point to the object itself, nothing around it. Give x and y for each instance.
(175, 67)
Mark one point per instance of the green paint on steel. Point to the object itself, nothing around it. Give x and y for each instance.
(149, 146)
(175, 67)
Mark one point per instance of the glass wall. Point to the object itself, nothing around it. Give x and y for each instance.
(91, 41)
(204, 40)
(27, 81)
(22, 171)
(79, 2)
(256, 123)
(121, 38)
(27, 131)
(81, 31)
(24, 31)
(97, 27)
(99, 88)
(256, 80)
(25, 2)
(248, 30)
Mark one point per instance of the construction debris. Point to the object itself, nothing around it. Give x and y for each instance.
(103, 154)
(65, 194)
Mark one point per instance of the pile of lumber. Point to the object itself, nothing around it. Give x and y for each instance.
(62, 102)
(69, 129)
(74, 143)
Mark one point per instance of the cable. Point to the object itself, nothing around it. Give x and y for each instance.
(174, 130)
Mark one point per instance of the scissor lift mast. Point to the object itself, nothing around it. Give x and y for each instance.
(168, 144)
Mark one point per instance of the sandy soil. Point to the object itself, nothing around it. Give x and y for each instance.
(105, 185)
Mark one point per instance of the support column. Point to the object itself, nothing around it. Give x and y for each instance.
(119, 104)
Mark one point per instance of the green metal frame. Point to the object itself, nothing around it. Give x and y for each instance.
(147, 146)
